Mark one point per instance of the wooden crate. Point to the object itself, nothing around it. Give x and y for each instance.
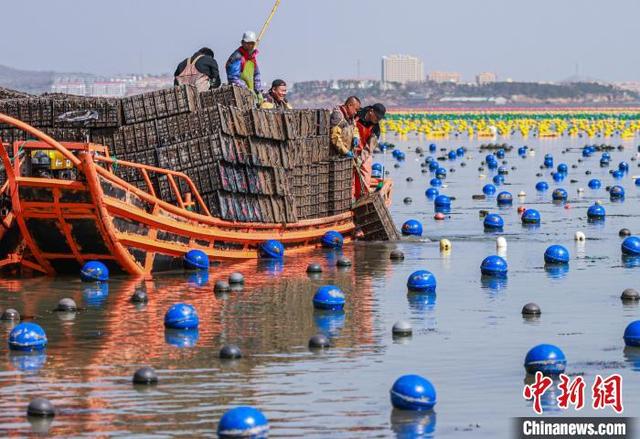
(374, 220)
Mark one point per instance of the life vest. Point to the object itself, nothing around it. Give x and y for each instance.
(248, 67)
(191, 76)
(365, 135)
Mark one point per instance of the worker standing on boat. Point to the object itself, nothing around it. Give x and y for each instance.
(368, 123)
(199, 70)
(276, 98)
(242, 66)
(344, 133)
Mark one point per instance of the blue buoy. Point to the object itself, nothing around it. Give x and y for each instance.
(431, 193)
(433, 166)
(376, 167)
(493, 221)
(181, 316)
(422, 281)
(395, 153)
(596, 212)
(490, 158)
(500, 153)
(563, 168)
(413, 392)
(557, 176)
(632, 334)
(441, 173)
(94, 271)
(271, 249)
(401, 156)
(503, 170)
(494, 266)
(27, 337)
(623, 166)
(442, 201)
(460, 151)
(329, 297)
(594, 183)
(556, 254)
(504, 199)
(196, 260)
(617, 174)
(412, 228)
(489, 189)
(498, 179)
(559, 195)
(631, 246)
(545, 358)
(548, 163)
(452, 155)
(542, 186)
(435, 182)
(432, 147)
(375, 173)
(530, 216)
(604, 162)
(242, 422)
(522, 150)
(492, 164)
(332, 239)
(616, 192)
(637, 181)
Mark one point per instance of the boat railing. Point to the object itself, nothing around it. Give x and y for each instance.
(100, 153)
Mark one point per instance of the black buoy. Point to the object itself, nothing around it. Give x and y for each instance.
(10, 314)
(397, 165)
(401, 328)
(145, 375)
(573, 181)
(230, 352)
(483, 213)
(139, 296)
(41, 407)
(221, 286)
(574, 166)
(343, 262)
(319, 341)
(236, 278)
(424, 171)
(407, 200)
(479, 197)
(66, 305)
(624, 233)
(531, 309)
(463, 164)
(480, 169)
(630, 295)
(409, 179)
(396, 255)
(314, 268)
(587, 172)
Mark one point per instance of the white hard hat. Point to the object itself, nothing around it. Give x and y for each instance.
(249, 37)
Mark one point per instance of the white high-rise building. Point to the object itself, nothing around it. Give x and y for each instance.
(402, 68)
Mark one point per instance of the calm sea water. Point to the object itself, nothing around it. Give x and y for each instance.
(469, 340)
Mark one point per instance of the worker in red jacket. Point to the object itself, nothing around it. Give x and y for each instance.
(368, 123)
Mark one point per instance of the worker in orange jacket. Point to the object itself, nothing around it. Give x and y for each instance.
(368, 123)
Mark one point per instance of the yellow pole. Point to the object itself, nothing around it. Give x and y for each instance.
(266, 23)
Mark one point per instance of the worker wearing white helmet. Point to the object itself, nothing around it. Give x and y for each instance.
(242, 65)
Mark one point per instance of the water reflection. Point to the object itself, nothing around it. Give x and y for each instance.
(198, 278)
(272, 267)
(28, 361)
(492, 283)
(181, 338)
(95, 295)
(406, 424)
(420, 302)
(549, 399)
(630, 261)
(556, 271)
(632, 356)
(330, 323)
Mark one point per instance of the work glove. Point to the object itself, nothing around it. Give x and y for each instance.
(349, 154)
(355, 142)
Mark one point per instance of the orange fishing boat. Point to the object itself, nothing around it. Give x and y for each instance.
(55, 225)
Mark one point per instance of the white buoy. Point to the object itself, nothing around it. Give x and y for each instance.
(482, 176)
(522, 194)
(580, 190)
(598, 202)
(501, 243)
(579, 236)
(532, 152)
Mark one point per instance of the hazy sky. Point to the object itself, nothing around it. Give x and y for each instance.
(323, 39)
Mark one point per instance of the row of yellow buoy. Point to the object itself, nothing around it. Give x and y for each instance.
(473, 125)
